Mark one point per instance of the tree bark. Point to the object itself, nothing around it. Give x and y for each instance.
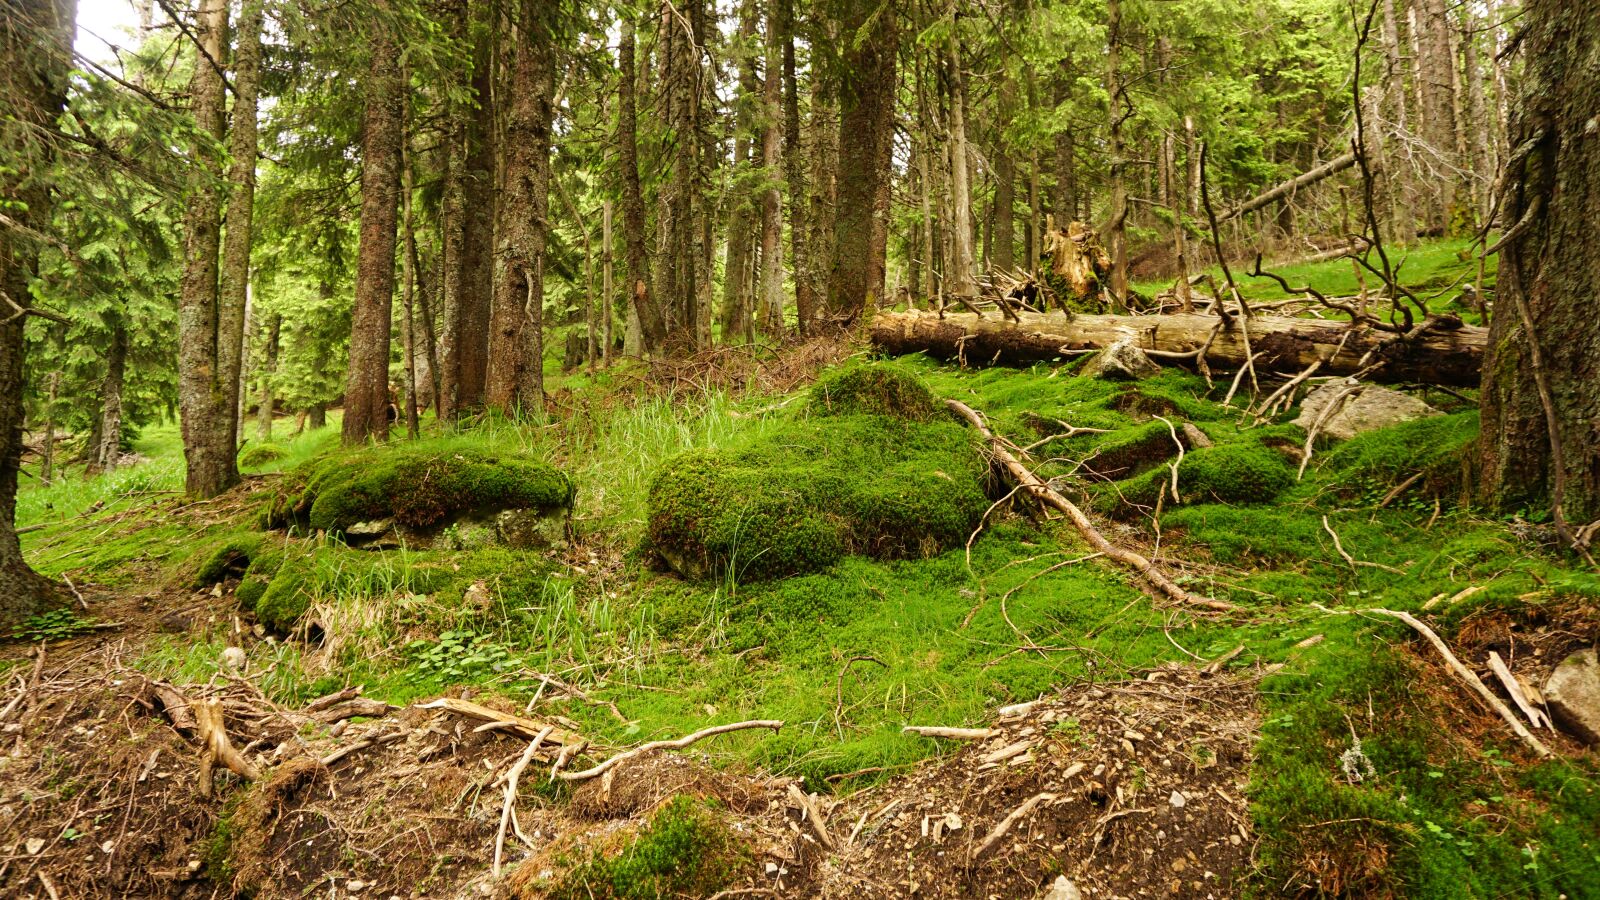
(652, 328)
(866, 103)
(269, 367)
(35, 58)
(1116, 225)
(1285, 344)
(1005, 191)
(478, 236)
(516, 322)
(1541, 413)
(962, 282)
(1434, 66)
(805, 295)
(771, 290)
(452, 236)
(366, 397)
(408, 292)
(238, 222)
(110, 447)
(206, 401)
(736, 303)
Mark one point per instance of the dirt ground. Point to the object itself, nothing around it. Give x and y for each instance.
(1130, 789)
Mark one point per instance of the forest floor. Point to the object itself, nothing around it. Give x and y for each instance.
(1293, 746)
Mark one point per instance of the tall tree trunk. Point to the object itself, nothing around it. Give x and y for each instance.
(408, 291)
(452, 235)
(479, 238)
(772, 199)
(1064, 200)
(516, 323)
(366, 397)
(962, 283)
(207, 402)
(35, 58)
(269, 367)
(1400, 168)
(1117, 100)
(1476, 122)
(805, 295)
(110, 447)
(1541, 412)
(238, 222)
(607, 287)
(1435, 65)
(736, 303)
(1005, 197)
(427, 287)
(823, 162)
(866, 103)
(652, 328)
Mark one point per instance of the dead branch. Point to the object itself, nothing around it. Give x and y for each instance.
(1461, 671)
(813, 816)
(527, 729)
(677, 744)
(1514, 690)
(508, 814)
(1046, 495)
(1006, 824)
(215, 746)
(944, 731)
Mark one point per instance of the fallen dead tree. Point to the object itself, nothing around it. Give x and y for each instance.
(1045, 495)
(1442, 355)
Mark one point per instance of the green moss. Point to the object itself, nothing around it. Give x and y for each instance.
(1242, 472)
(287, 594)
(420, 485)
(879, 389)
(686, 850)
(1436, 446)
(801, 496)
(257, 455)
(232, 557)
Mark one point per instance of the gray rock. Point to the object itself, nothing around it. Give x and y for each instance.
(1121, 361)
(378, 534)
(1365, 408)
(1573, 695)
(531, 529)
(1062, 889)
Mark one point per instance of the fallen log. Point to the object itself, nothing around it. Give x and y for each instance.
(1289, 345)
(1331, 167)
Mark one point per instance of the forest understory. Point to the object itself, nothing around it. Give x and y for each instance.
(996, 709)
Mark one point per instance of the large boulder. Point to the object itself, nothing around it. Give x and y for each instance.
(1360, 409)
(1573, 694)
(1121, 361)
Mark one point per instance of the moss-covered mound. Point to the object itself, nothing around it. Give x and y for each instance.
(257, 455)
(419, 486)
(799, 497)
(880, 389)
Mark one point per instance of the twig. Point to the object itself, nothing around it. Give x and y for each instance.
(1514, 690)
(362, 744)
(1461, 671)
(1006, 824)
(813, 817)
(677, 744)
(1046, 495)
(1398, 489)
(1177, 462)
(945, 731)
(508, 811)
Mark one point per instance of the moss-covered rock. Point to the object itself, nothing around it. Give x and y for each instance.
(797, 498)
(876, 389)
(257, 455)
(231, 558)
(1242, 472)
(420, 487)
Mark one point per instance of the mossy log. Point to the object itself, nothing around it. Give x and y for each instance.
(1448, 357)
